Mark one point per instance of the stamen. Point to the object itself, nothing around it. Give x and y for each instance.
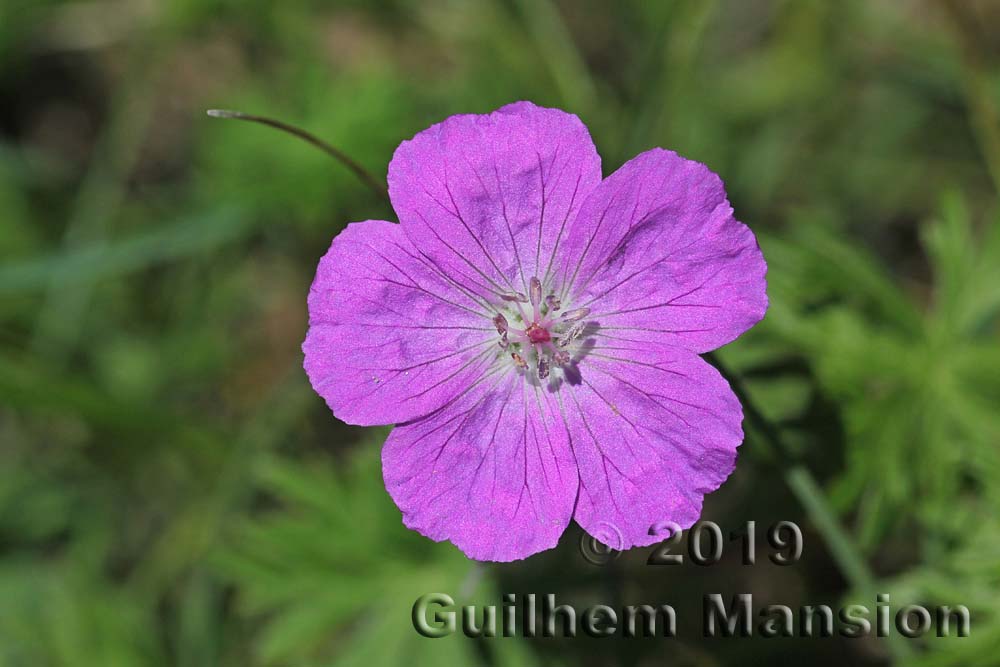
(535, 290)
(572, 334)
(538, 342)
(574, 315)
(535, 294)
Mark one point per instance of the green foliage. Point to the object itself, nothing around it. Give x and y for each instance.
(334, 554)
(912, 382)
(913, 374)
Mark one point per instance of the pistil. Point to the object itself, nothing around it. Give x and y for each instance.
(545, 334)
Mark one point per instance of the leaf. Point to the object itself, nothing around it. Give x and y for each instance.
(298, 569)
(115, 258)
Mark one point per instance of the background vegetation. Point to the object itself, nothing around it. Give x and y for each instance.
(173, 493)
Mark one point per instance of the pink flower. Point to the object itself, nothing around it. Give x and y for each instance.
(534, 331)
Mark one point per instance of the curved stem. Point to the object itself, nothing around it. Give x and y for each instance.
(366, 176)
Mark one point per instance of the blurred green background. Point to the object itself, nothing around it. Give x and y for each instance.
(173, 493)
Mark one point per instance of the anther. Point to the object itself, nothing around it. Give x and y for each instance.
(503, 341)
(543, 368)
(535, 291)
(561, 358)
(518, 360)
(517, 296)
(574, 315)
(500, 322)
(553, 301)
(572, 334)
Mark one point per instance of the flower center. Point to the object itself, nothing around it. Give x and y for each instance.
(537, 340)
(538, 334)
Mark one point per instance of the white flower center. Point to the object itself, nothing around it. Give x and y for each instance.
(539, 339)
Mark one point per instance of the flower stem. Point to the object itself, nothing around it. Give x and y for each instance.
(369, 179)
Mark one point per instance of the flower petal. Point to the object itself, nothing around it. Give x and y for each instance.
(653, 429)
(390, 338)
(489, 197)
(656, 254)
(492, 472)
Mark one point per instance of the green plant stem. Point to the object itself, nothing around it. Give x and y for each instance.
(363, 174)
(846, 554)
(804, 486)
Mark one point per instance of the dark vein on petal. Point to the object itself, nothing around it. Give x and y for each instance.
(572, 448)
(617, 412)
(499, 289)
(671, 302)
(458, 214)
(437, 384)
(489, 446)
(538, 445)
(591, 353)
(631, 226)
(655, 330)
(466, 413)
(493, 372)
(652, 397)
(476, 297)
(454, 353)
(562, 227)
(401, 248)
(567, 288)
(503, 210)
(402, 326)
(548, 436)
(541, 215)
(656, 307)
(604, 457)
(428, 293)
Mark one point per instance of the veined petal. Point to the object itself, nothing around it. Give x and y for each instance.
(492, 471)
(654, 428)
(656, 254)
(390, 338)
(489, 197)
